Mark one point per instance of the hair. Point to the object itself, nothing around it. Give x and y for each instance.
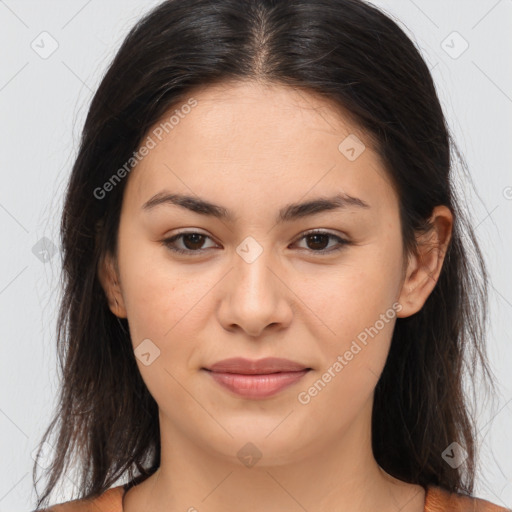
(358, 58)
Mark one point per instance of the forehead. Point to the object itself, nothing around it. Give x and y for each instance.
(246, 139)
(278, 115)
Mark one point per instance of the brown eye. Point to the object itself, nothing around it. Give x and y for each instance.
(192, 241)
(318, 241)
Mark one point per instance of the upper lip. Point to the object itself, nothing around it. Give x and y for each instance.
(255, 367)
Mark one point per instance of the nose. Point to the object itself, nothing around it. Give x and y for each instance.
(255, 296)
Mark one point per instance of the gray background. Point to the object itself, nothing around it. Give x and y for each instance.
(43, 101)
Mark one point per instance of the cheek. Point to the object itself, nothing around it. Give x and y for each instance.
(352, 295)
(362, 317)
(163, 303)
(356, 306)
(164, 307)
(148, 297)
(160, 301)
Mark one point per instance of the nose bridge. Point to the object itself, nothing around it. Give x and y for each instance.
(254, 297)
(252, 268)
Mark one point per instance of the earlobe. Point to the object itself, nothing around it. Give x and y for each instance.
(109, 279)
(424, 267)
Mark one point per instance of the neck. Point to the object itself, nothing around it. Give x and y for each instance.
(339, 473)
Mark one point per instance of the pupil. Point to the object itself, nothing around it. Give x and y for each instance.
(196, 238)
(316, 237)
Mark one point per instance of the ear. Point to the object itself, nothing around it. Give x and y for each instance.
(108, 276)
(425, 265)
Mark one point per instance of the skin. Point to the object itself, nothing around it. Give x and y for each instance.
(254, 148)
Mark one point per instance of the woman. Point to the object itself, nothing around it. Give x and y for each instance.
(269, 296)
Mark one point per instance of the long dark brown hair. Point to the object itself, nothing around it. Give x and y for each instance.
(362, 61)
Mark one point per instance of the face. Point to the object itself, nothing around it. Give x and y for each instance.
(320, 285)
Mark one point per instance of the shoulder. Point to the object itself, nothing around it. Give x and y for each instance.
(110, 501)
(441, 500)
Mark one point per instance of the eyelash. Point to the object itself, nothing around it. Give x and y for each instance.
(342, 242)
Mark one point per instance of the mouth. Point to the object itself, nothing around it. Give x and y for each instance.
(263, 366)
(256, 379)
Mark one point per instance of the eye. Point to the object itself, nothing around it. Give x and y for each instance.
(318, 241)
(192, 241)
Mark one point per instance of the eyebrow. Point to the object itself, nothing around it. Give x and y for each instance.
(288, 213)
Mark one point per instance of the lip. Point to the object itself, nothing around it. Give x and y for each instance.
(257, 386)
(256, 367)
(257, 379)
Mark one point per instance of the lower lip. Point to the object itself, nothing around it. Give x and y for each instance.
(257, 386)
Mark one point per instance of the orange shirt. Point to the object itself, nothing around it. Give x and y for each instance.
(436, 500)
